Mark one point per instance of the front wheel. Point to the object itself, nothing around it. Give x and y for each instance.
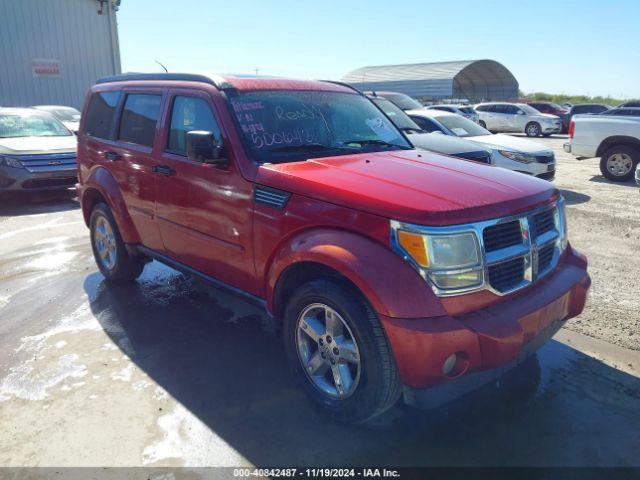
(618, 163)
(109, 249)
(339, 352)
(533, 129)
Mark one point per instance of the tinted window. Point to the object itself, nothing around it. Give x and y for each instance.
(581, 109)
(99, 117)
(426, 124)
(498, 108)
(139, 118)
(188, 114)
(511, 109)
(598, 108)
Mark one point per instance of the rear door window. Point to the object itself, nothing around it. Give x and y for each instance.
(188, 114)
(100, 114)
(139, 118)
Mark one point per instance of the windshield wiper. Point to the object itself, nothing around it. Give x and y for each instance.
(303, 147)
(375, 141)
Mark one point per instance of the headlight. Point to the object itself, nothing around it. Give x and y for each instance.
(450, 262)
(518, 157)
(10, 162)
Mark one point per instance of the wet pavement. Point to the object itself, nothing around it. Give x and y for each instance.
(169, 371)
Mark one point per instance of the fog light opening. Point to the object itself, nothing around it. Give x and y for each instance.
(455, 365)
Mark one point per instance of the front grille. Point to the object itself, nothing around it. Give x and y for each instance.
(502, 235)
(44, 163)
(543, 222)
(507, 275)
(545, 256)
(49, 182)
(550, 158)
(520, 251)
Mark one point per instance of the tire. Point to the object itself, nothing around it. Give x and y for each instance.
(482, 124)
(375, 384)
(533, 129)
(109, 250)
(619, 162)
(546, 135)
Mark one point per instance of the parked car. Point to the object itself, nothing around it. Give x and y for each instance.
(553, 109)
(69, 116)
(37, 152)
(509, 152)
(517, 118)
(622, 112)
(392, 271)
(638, 174)
(615, 139)
(453, 146)
(587, 108)
(465, 111)
(405, 102)
(630, 103)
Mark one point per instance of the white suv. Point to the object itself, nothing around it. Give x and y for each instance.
(517, 117)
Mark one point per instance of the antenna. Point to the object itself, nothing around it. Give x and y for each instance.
(165, 68)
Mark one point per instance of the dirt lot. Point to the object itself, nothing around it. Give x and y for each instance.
(169, 372)
(604, 223)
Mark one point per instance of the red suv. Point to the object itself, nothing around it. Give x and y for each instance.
(393, 271)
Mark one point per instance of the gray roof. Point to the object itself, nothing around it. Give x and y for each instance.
(460, 79)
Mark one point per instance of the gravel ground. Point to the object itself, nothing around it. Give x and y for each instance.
(604, 224)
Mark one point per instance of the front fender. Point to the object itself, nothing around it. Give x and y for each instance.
(100, 180)
(391, 285)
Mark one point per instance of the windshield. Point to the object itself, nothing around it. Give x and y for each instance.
(461, 126)
(528, 109)
(397, 116)
(468, 110)
(64, 114)
(281, 126)
(405, 102)
(36, 124)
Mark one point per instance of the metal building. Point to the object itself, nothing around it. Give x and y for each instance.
(52, 51)
(473, 80)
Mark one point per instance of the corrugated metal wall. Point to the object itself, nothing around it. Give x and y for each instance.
(52, 51)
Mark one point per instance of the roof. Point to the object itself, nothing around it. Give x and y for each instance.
(223, 82)
(419, 71)
(20, 111)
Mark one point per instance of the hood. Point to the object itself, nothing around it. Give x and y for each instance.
(35, 145)
(73, 126)
(411, 186)
(515, 144)
(442, 143)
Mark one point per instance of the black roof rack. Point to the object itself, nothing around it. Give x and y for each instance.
(215, 80)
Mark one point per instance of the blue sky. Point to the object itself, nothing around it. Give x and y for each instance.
(577, 47)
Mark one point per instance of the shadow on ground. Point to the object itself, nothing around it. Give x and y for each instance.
(32, 203)
(228, 369)
(574, 198)
(603, 179)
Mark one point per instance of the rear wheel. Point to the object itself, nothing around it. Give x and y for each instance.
(339, 352)
(533, 129)
(618, 162)
(109, 250)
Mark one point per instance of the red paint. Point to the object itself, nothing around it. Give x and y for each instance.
(338, 215)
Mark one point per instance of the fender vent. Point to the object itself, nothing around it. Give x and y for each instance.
(270, 196)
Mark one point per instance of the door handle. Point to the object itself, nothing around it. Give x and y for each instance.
(111, 156)
(163, 170)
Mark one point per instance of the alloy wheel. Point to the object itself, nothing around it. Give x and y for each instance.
(105, 242)
(328, 351)
(619, 164)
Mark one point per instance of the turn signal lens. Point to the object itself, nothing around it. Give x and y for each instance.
(414, 245)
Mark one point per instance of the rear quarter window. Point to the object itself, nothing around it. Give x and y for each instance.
(139, 118)
(100, 113)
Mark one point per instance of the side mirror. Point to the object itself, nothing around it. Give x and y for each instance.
(202, 146)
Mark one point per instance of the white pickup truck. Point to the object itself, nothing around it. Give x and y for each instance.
(616, 140)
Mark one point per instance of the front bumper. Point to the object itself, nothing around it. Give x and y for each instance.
(551, 128)
(20, 179)
(487, 342)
